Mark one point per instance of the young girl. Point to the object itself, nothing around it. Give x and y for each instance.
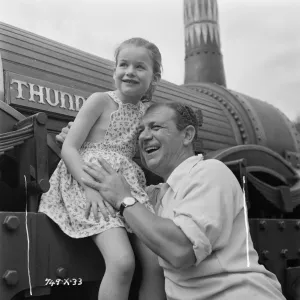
(106, 126)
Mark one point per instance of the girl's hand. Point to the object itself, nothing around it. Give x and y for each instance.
(95, 201)
(60, 138)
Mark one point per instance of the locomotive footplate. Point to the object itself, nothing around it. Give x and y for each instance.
(278, 245)
(36, 256)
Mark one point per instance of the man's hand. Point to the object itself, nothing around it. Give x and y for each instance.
(95, 201)
(60, 138)
(112, 186)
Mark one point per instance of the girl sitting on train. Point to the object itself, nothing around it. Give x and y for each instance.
(107, 126)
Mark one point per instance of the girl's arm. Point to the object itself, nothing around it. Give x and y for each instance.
(89, 113)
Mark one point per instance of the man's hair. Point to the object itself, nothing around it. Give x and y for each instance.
(184, 116)
(154, 54)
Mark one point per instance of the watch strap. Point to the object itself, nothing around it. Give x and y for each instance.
(124, 205)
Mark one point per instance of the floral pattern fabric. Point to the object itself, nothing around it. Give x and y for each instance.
(65, 201)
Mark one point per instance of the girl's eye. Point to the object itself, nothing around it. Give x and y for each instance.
(122, 64)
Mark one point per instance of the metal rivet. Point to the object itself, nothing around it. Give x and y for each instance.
(44, 185)
(284, 253)
(265, 254)
(11, 277)
(262, 225)
(61, 272)
(281, 225)
(11, 222)
(42, 118)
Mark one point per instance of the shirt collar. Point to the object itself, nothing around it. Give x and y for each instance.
(181, 170)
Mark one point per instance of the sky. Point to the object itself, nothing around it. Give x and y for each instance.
(260, 38)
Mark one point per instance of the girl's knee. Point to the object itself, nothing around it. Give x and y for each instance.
(124, 265)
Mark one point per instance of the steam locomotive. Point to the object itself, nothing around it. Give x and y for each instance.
(43, 84)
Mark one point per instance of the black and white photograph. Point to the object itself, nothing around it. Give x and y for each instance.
(149, 150)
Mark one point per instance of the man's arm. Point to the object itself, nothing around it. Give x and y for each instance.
(202, 220)
(161, 235)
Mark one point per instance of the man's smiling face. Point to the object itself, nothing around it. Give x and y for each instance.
(161, 143)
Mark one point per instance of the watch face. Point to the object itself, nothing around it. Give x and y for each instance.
(129, 200)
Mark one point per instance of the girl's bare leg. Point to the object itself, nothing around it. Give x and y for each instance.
(119, 261)
(153, 280)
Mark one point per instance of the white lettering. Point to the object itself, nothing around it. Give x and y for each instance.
(48, 97)
(20, 91)
(77, 100)
(71, 101)
(39, 93)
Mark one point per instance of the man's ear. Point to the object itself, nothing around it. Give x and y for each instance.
(189, 133)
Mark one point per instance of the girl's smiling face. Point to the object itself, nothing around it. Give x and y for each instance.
(133, 73)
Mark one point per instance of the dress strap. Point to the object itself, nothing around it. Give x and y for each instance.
(143, 107)
(114, 96)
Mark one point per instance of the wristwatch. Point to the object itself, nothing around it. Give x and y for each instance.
(127, 201)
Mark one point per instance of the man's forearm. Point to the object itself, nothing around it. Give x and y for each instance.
(161, 235)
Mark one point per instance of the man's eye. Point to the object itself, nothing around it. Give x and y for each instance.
(156, 127)
(140, 67)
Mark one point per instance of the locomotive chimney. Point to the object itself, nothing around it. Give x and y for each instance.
(203, 57)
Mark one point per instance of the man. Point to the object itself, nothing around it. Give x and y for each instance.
(199, 231)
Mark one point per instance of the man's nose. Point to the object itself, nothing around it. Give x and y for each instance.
(145, 135)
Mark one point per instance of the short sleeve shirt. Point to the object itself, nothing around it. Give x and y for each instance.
(205, 200)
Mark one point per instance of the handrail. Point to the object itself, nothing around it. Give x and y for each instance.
(282, 197)
(9, 140)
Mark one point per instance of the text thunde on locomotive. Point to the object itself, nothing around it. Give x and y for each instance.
(46, 95)
(34, 94)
